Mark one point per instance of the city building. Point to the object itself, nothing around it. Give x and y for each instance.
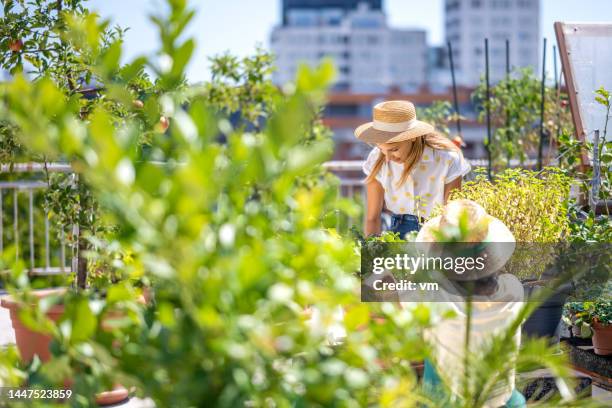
(468, 22)
(370, 56)
(343, 5)
(438, 70)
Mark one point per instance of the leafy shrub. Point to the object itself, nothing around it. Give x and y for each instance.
(533, 205)
(589, 227)
(515, 104)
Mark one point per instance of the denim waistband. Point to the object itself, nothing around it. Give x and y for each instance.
(406, 217)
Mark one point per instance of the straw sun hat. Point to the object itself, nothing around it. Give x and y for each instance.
(393, 121)
(497, 241)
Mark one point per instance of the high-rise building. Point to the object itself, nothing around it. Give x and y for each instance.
(468, 22)
(370, 56)
(290, 6)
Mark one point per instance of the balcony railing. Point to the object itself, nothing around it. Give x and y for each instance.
(24, 194)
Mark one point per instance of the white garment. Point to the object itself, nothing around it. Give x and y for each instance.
(447, 336)
(424, 188)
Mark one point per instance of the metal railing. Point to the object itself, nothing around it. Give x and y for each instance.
(29, 187)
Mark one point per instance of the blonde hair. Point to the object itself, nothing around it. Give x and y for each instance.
(433, 140)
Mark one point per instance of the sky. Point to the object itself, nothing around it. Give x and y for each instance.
(238, 26)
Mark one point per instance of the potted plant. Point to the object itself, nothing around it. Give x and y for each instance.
(574, 317)
(598, 314)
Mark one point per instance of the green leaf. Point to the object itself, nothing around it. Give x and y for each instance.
(111, 57)
(182, 56)
(117, 293)
(83, 321)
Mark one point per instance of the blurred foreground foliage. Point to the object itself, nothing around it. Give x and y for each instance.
(217, 199)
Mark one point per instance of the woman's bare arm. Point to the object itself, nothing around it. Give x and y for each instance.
(375, 199)
(455, 184)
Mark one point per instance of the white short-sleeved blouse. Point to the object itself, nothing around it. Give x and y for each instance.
(424, 188)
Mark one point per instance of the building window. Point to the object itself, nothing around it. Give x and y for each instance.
(372, 40)
(452, 5)
(340, 110)
(331, 17)
(453, 23)
(366, 22)
(500, 4)
(525, 4)
(303, 18)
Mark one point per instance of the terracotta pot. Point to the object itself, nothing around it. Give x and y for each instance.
(31, 343)
(602, 339)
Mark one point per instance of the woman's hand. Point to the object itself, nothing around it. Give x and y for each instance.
(375, 198)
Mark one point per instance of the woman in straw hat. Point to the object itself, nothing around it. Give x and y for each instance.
(411, 169)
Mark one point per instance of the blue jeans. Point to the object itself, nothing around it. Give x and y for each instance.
(404, 223)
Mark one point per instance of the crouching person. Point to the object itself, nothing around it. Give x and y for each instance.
(495, 299)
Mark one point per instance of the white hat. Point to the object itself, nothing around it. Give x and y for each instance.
(497, 241)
